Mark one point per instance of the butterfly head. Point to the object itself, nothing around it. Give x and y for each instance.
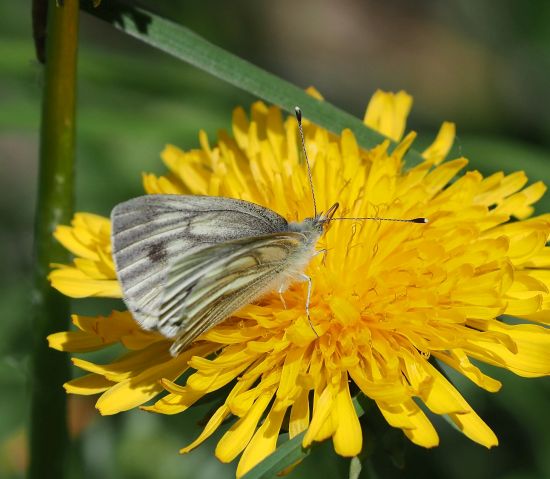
(320, 221)
(315, 225)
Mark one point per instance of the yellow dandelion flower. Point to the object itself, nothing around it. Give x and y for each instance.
(386, 297)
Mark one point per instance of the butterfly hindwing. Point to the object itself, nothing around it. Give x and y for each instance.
(206, 287)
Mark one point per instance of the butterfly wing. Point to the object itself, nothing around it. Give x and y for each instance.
(206, 287)
(151, 232)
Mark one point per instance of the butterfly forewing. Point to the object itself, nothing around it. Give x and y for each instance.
(151, 233)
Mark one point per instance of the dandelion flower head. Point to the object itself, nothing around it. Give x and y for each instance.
(390, 301)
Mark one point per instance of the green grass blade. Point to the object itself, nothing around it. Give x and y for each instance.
(186, 45)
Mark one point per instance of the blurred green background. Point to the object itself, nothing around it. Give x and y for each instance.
(483, 64)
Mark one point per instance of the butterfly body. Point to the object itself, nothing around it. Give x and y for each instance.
(186, 263)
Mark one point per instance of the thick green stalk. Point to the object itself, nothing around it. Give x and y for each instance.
(49, 442)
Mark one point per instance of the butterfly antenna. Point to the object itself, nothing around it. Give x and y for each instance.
(309, 175)
(376, 218)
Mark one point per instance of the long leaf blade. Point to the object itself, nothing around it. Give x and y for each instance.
(184, 44)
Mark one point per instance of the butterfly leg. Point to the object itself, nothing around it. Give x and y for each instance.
(324, 252)
(281, 290)
(308, 279)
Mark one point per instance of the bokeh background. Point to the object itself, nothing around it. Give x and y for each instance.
(483, 64)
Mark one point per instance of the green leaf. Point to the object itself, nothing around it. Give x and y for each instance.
(186, 45)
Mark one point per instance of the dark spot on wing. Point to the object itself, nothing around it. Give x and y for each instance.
(157, 252)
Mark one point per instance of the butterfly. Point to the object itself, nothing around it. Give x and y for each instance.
(185, 263)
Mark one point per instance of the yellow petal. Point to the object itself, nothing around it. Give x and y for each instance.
(531, 357)
(348, 438)
(95, 269)
(175, 403)
(474, 428)
(409, 417)
(139, 339)
(523, 303)
(137, 390)
(263, 442)
(213, 424)
(396, 414)
(87, 233)
(321, 414)
(312, 91)
(87, 385)
(387, 113)
(442, 174)
(291, 367)
(154, 185)
(344, 311)
(386, 391)
(459, 361)
(128, 365)
(299, 414)
(241, 403)
(441, 396)
(423, 433)
(75, 283)
(497, 187)
(231, 357)
(230, 335)
(111, 328)
(236, 439)
(541, 259)
(540, 316)
(75, 341)
(64, 234)
(206, 383)
(523, 247)
(442, 144)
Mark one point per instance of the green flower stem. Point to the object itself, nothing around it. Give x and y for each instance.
(49, 441)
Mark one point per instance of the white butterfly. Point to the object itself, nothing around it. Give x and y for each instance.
(186, 263)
